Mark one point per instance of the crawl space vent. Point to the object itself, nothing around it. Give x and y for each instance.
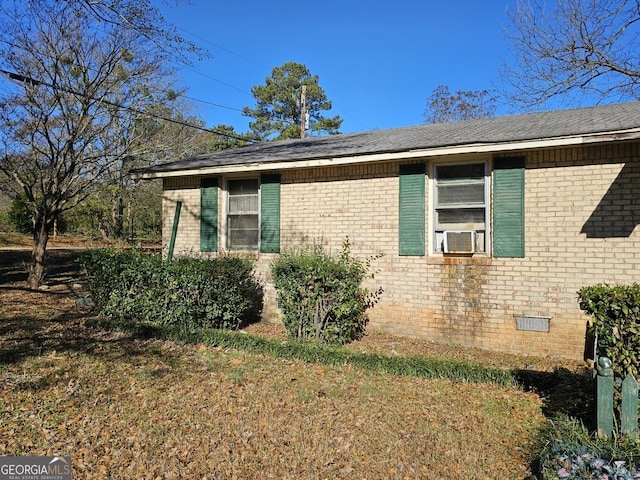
(533, 324)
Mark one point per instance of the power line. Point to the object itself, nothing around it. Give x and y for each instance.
(210, 103)
(216, 80)
(205, 75)
(222, 48)
(32, 81)
(187, 65)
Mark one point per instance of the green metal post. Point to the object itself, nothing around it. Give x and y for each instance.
(604, 399)
(174, 230)
(629, 410)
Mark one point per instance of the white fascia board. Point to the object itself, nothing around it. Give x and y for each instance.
(404, 155)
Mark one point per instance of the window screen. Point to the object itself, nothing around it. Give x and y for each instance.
(460, 202)
(243, 222)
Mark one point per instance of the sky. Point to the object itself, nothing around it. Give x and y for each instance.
(377, 60)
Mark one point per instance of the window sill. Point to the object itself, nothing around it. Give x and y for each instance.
(459, 260)
(240, 252)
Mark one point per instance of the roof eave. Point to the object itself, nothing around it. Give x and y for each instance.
(476, 148)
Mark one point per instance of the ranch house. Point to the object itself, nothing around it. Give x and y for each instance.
(487, 227)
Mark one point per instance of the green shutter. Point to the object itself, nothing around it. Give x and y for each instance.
(508, 207)
(412, 210)
(209, 215)
(270, 214)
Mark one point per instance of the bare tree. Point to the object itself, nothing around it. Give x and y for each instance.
(143, 18)
(444, 106)
(159, 134)
(582, 48)
(69, 118)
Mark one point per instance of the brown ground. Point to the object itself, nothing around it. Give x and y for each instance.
(129, 408)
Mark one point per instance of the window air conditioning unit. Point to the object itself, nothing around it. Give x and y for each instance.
(460, 241)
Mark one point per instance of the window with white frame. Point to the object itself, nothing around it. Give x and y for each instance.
(243, 214)
(460, 206)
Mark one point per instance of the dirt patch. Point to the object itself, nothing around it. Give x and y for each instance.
(62, 267)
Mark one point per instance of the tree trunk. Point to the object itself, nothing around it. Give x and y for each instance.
(39, 252)
(117, 214)
(130, 220)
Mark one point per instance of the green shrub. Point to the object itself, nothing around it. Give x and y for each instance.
(5, 223)
(616, 321)
(321, 295)
(132, 286)
(20, 216)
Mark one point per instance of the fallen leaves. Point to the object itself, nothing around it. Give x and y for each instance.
(127, 408)
(133, 427)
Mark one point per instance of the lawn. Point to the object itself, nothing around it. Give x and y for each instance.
(124, 407)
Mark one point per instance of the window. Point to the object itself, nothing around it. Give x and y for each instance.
(243, 218)
(251, 214)
(461, 203)
(460, 208)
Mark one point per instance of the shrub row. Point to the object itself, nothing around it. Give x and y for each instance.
(187, 293)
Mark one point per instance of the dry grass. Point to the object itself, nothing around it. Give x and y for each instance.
(128, 408)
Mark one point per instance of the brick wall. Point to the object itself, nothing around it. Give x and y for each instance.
(186, 190)
(581, 210)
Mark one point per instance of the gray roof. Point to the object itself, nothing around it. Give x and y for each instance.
(497, 130)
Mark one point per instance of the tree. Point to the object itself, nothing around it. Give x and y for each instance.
(580, 49)
(279, 104)
(164, 132)
(221, 137)
(444, 106)
(71, 117)
(141, 17)
(161, 136)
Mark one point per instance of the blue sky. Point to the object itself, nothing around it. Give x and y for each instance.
(377, 60)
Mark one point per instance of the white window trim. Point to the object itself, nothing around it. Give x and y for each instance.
(431, 207)
(225, 211)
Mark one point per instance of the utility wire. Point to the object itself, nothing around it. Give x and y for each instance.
(220, 47)
(32, 81)
(216, 80)
(209, 103)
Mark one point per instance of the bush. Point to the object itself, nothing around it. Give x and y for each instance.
(616, 322)
(5, 223)
(20, 216)
(321, 295)
(188, 293)
(566, 450)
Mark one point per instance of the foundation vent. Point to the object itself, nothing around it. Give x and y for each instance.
(533, 324)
